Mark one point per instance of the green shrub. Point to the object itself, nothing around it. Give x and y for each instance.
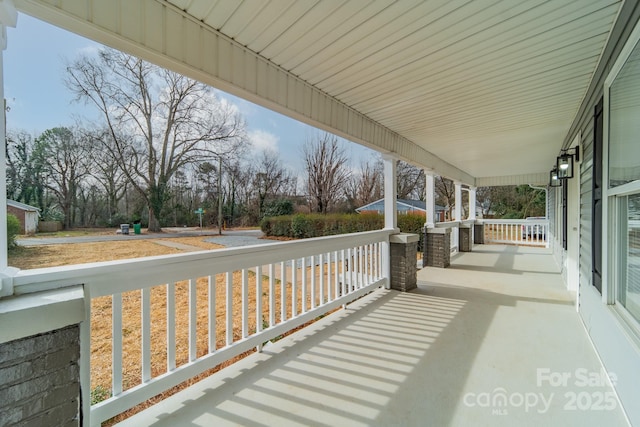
(280, 207)
(13, 229)
(412, 223)
(301, 226)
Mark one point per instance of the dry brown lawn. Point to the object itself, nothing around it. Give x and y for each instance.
(81, 253)
(101, 309)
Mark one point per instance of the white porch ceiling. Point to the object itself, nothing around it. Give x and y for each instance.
(489, 87)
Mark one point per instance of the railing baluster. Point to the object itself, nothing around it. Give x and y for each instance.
(352, 268)
(146, 333)
(313, 281)
(272, 294)
(245, 303)
(294, 287)
(229, 307)
(377, 260)
(193, 316)
(304, 284)
(259, 303)
(344, 274)
(283, 291)
(116, 350)
(360, 267)
(366, 265)
(336, 277)
(171, 326)
(211, 284)
(321, 272)
(329, 276)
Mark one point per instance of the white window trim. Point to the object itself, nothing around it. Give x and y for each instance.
(610, 210)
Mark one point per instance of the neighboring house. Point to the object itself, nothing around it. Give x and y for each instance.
(403, 206)
(27, 215)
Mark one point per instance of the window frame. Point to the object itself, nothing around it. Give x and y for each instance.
(611, 203)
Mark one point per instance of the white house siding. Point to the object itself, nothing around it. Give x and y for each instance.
(586, 204)
(618, 351)
(30, 222)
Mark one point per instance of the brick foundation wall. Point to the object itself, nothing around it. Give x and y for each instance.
(40, 379)
(437, 249)
(403, 266)
(478, 234)
(464, 239)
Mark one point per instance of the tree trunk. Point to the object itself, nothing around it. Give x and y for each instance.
(154, 223)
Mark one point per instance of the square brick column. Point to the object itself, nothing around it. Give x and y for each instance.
(464, 239)
(478, 234)
(437, 248)
(40, 379)
(404, 252)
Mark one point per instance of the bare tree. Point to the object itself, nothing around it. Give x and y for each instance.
(366, 185)
(445, 195)
(106, 170)
(410, 181)
(327, 172)
(159, 121)
(271, 180)
(67, 158)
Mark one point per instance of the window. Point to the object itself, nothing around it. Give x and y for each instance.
(622, 92)
(624, 123)
(628, 294)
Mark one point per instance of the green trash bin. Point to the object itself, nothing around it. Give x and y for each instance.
(136, 228)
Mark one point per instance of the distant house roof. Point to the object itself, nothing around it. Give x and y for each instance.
(22, 206)
(401, 204)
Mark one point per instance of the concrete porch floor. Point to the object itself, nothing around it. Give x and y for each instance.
(494, 340)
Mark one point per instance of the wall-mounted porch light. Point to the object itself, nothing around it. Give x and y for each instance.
(564, 163)
(553, 178)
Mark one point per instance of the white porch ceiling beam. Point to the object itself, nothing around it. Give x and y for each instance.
(496, 181)
(163, 34)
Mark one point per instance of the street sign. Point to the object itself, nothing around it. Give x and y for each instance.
(200, 211)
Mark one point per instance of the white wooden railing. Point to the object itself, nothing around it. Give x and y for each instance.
(517, 231)
(237, 299)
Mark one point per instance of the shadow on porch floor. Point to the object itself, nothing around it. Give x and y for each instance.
(492, 340)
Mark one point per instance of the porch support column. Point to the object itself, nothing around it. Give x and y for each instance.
(8, 18)
(390, 193)
(457, 213)
(430, 198)
(472, 203)
(390, 213)
(399, 253)
(472, 215)
(436, 251)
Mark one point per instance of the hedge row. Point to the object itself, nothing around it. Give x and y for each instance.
(303, 226)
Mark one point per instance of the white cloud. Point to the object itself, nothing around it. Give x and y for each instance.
(89, 50)
(263, 140)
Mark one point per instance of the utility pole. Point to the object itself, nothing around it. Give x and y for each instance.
(219, 194)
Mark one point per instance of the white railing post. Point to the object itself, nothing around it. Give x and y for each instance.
(390, 212)
(457, 214)
(430, 198)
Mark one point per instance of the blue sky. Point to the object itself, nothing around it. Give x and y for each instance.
(34, 68)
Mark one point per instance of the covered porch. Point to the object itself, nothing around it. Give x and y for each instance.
(483, 93)
(493, 340)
